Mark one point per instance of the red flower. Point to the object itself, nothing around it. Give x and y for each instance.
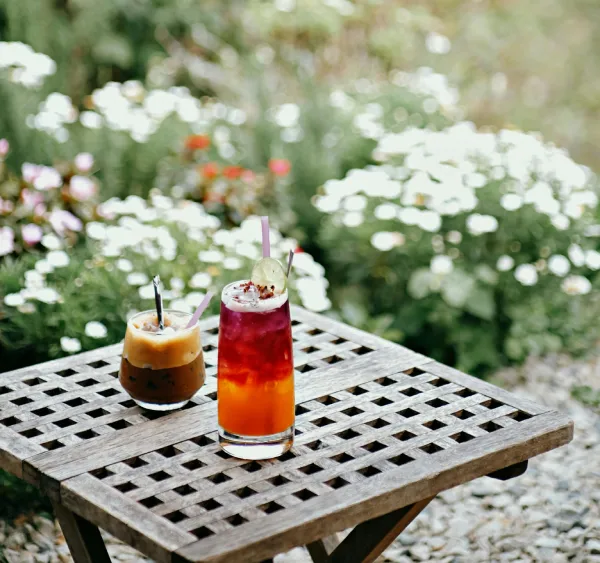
(298, 250)
(280, 166)
(197, 142)
(232, 172)
(210, 170)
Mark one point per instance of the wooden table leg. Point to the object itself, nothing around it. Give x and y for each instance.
(368, 540)
(83, 538)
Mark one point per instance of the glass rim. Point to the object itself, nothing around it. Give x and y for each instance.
(153, 311)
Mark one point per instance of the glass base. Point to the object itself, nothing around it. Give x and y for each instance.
(161, 407)
(256, 447)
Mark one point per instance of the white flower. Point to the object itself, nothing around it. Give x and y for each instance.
(327, 203)
(146, 292)
(91, 119)
(437, 43)
(194, 298)
(137, 278)
(355, 203)
(429, 221)
(211, 256)
(180, 305)
(560, 222)
(385, 240)
(559, 265)
(511, 202)
(526, 274)
(505, 263)
(43, 267)
(576, 255)
(124, 265)
(96, 230)
(232, 263)
(200, 280)
(353, 218)
(441, 265)
(94, 329)
(33, 279)
(576, 285)
(286, 115)
(46, 295)
(592, 259)
(177, 284)
(58, 258)
(454, 237)
(84, 161)
(14, 299)
(26, 308)
(478, 224)
(51, 241)
(70, 345)
(386, 211)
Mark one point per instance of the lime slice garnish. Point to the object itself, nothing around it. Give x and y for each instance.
(269, 272)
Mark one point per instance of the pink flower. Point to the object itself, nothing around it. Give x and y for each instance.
(248, 176)
(7, 241)
(31, 233)
(63, 221)
(82, 188)
(6, 206)
(47, 179)
(84, 161)
(39, 210)
(4, 147)
(30, 172)
(31, 198)
(280, 166)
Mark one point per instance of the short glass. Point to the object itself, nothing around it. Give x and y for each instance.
(255, 376)
(162, 372)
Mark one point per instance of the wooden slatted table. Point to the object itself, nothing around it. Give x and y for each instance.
(380, 430)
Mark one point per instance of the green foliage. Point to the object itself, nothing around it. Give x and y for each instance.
(48, 301)
(464, 236)
(19, 497)
(587, 395)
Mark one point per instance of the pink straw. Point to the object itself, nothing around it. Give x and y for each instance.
(201, 308)
(266, 244)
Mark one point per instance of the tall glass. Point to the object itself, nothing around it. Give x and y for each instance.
(255, 375)
(162, 371)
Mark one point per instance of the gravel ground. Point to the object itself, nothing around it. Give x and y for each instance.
(552, 513)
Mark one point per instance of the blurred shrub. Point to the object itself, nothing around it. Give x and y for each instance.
(473, 243)
(57, 303)
(44, 200)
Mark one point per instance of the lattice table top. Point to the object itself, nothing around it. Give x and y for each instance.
(377, 427)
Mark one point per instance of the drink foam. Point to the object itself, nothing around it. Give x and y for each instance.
(175, 346)
(236, 299)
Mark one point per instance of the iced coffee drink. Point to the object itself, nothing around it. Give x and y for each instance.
(162, 369)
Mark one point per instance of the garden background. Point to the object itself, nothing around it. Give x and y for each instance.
(432, 164)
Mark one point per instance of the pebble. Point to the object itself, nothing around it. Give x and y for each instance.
(593, 546)
(420, 552)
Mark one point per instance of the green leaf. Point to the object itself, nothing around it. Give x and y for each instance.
(481, 303)
(586, 395)
(113, 49)
(456, 288)
(486, 274)
(419, 283)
